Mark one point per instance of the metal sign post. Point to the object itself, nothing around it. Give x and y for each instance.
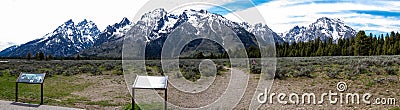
(150, 82)
(30, 78)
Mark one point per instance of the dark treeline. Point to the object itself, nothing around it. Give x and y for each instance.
(252, 52)
(40, 56)
(360, 45)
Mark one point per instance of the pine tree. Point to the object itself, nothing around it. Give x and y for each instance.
(78, 57)
(28, 56)
(361, 44)
(199, 55)
(37, 56)
(41, 55)
(253, 52)
(50, 57)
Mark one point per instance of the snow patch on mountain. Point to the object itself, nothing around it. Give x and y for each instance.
(67, 39)
(324, 28)
(158, 23)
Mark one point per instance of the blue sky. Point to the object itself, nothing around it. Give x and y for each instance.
(280, 15)
(26, 20)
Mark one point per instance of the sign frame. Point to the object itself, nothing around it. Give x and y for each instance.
(139, 79)
(30, 81)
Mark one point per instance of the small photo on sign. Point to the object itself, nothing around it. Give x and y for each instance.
(30, 78)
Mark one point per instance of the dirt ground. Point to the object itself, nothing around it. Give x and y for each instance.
(109, 88)
(320, 85)
(112, 88)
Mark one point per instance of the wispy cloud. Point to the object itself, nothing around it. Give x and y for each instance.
(395, 14)
(236, 5)
(372, 16)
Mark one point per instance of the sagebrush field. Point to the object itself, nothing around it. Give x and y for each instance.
(99, 84)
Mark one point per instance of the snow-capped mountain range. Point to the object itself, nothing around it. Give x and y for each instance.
(8, 50)
(110, 41)
(113, 32)
(84, 38)
(66, 40)
(155, 26)
(324, 28)
(160, 23)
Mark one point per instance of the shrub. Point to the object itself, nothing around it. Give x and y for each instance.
(387, 63)
(14, 72)
(390, 71)
(86, 68)
(332, 74)
(306, 71)
(255, 69)
(220, 69)
(59, 71)
(379, 80)
(49, 72)
(95, 71)
(118, 70)
(190, 73)
(359, 69)
(369, 84)
(26, 68)
(71, 71)
(108, 66)
(280, 73)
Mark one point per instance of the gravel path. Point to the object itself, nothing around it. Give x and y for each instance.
(224, 93)
(8, 105)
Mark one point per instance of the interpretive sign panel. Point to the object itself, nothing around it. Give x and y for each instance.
(150, 82)
(30, 78)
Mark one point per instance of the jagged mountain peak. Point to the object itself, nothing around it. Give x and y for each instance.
(323, 27)
(192, 12)
(71, 37)
(113, 28)
(109, 42)
(196, 22)
(67, 39)
(263, 31)
(326, 20)
(74, 38)
(114, 32)
(69, 22)
(86, 22)
(125, 21)
(298, 27)
(158, 22)
(153, 15)
(83, 22)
